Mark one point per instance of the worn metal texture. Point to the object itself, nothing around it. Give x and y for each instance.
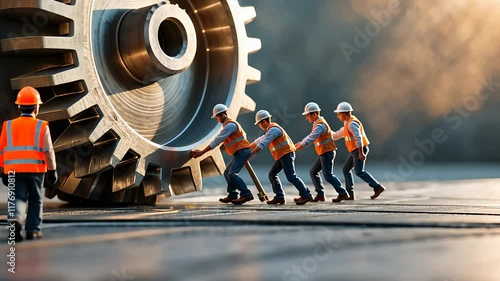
(128, 88)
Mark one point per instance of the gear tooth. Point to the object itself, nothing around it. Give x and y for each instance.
(186, 179)
(253, 45)
(47, 78)
(253, 75)
(140, 171)
(248, 14)
(124, 174)
(70, 184)
(213, 165)
(36, 43)
(100, 157)
(247, 104)
(75, 134)
(65, 107)
(152, 182)
(99, 131)
(56, 11)
(121, 153)
(143, 199)
(100, 190)
(127, 196)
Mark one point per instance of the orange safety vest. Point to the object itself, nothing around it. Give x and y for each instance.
(281, 145)
(350, 140)
(22, 145)
(236, 141)
(324, 143)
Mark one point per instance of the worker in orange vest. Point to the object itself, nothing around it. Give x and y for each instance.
(26, 154)
(324, 145)
(283, 152)
(237, 145)
(356, 143)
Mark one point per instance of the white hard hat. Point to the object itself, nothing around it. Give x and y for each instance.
(219, 108)
(261, 115)
(311, 107)
(344, 107)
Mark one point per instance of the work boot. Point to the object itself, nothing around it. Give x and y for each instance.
(319, 199)
(34, 235)
(243, 199)
(377, 192)
(302, 201)
(352, 195)
(339, 198)
(277, 201)
(227, 199)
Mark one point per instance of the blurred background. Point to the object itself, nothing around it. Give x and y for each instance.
(422, 76)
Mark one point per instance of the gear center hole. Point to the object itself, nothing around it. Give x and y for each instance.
(172, 38)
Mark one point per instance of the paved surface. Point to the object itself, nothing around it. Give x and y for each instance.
(434, 230)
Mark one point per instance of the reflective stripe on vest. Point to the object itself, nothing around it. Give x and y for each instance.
(23, 152)
(281, 145)
(237, 140)
(350, 140)
(24, 161)
(324, 143)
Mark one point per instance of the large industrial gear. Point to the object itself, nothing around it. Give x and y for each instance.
(128, 88)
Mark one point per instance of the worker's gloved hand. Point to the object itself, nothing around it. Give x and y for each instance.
(5, 179)
(52, 176)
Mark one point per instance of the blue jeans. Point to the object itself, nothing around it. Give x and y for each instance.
(29, 189)
(353, 161)
(325, 162)
(234, 182)
(287, 164)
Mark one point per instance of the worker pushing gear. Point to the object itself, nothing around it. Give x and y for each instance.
(283, 152)
(26, 154)
(356, 143)
(236, 145)
(324, 145)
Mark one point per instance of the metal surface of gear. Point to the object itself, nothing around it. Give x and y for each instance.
(128, 88)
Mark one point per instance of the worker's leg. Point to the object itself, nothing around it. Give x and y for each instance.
(21, 190)
(288, 162)
(327, 160)
(359, 168)
(347, 170)
(275, 180)
(316, 178)
(240, 158)
(231, 189)
(35, 204)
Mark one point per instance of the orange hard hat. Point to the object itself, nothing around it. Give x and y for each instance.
(28, 96)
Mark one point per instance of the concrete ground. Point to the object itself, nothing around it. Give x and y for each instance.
(432, 230)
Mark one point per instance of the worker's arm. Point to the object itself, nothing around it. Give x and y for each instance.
(266, 140)
(3, 142)
(50, 157)
(253, 146)
(356, 131)
(228, 130)
(307, 141)
(48, 149)
(336, 135)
